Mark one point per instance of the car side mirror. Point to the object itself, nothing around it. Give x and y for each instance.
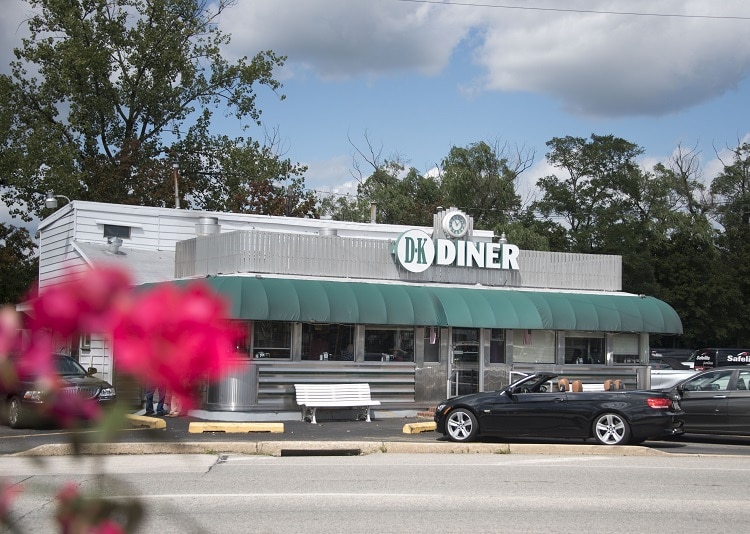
(91, 371)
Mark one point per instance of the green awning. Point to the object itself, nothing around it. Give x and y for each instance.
(325, 301)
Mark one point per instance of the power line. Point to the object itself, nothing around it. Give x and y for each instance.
(582, 11)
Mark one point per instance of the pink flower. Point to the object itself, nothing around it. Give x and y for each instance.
(84, 303)
(70, 410)
(174, 337)
(10, 330)
(107, 526)
(8, 493)
(78, 514)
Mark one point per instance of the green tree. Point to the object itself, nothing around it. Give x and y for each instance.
(732, 191)
(18, 263)
(400, 196)
(589, 198)
(104, 94)
(481, 180)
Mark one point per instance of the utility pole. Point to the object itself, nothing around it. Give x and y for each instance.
(176, 174)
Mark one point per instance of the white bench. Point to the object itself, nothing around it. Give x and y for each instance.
(313, 396)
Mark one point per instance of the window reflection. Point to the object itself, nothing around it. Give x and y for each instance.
(328, 342)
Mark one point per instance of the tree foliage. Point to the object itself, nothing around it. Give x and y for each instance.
(481, 180)
(18, 263)
(105, 94)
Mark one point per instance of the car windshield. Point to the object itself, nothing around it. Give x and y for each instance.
(713, 381)
(532, 384)
(67, 366)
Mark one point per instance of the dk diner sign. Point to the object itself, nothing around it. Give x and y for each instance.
(416, 252)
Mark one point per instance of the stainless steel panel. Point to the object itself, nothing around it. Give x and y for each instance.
(257, 251)
(389, 383)
(236, 391)
(430, 384)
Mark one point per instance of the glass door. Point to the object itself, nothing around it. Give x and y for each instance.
(464, 375)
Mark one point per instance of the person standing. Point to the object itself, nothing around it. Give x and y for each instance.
(174, 404)
(150, 391)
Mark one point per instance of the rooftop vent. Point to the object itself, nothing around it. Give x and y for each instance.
(207, 226)
(113, 245)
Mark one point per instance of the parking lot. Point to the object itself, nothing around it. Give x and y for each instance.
(327, 434)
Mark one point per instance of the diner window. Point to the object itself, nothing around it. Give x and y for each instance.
(389, 344)
(242, 338)
(272, 339)
(114, 230)
(533, 346)
(625, 349)
(584, 348)
(328, 342)
(497, 345)
(465, 345)
(432, 344)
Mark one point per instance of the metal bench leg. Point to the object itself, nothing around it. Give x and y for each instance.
(368, 415)
(313, 421)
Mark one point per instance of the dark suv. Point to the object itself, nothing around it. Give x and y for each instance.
(26, 399)
(709, 358)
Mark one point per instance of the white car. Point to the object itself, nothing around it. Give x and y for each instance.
(666, 372)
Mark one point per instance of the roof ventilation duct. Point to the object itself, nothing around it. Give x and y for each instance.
(113, 245)
(207, 226)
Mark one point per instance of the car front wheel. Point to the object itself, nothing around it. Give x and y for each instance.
(15, 413)
(611, 429)
(461, 425)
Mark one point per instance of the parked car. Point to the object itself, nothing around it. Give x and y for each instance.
(534, 407)
(26, 402)
(716, 401)
(667, 372)
(681, 355)
(703, 359)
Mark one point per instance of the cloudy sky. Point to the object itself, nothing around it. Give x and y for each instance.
(418, 77)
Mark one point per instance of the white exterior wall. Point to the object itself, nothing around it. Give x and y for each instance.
(161, 228)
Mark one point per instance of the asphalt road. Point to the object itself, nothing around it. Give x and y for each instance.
(398, 493)
(324, 435)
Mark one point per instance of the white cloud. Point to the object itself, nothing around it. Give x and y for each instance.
(326, 175)
(594, 64)
(340, 39)
(611, 65)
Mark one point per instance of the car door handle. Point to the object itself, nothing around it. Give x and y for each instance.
(559, 399)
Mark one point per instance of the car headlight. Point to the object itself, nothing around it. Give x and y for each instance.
(107, 393)
(33, 395)
(440, 407)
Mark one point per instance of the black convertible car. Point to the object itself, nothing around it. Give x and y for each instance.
(535, 407)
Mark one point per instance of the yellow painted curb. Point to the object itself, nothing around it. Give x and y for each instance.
(199, 428)
(142, 421)
(416, 428)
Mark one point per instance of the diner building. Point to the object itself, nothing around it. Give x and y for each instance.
(418, 313)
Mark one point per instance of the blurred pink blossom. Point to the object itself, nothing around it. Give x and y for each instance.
(175, 337)
(70, 410)
(8, 493)
(83, 304)
(10, 328)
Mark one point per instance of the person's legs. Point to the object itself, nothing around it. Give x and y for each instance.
(150, 400)
(160, 404)
(175, 408)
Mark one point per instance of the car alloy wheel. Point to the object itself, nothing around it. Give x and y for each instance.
(461, 425)
(611, 429)
(14, 413)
